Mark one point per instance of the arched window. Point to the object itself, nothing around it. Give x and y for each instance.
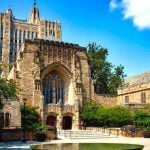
(7, 120)
(1, 119)
(53, 88)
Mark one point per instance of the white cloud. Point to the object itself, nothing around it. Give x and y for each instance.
(137, 10)
(113, 4)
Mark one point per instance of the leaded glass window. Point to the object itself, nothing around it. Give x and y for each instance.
(53, 88)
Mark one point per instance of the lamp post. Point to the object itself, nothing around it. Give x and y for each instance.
(23, 120)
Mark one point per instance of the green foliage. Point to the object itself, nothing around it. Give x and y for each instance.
(119, 116)
(40, 136)
(8, 90)
(89, 112)
(30, 118)
(3, 66)
(106, 76)
(95, 115)
(41, 127)
(142, 119)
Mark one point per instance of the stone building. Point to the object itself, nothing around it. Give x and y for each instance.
(10, 112)
(54, 76)
(136, 91)
(13, 32)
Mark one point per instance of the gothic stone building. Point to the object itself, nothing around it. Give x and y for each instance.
(54, 76)
(13, 32)
(136, 91)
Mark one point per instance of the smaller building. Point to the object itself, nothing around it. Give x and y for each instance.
(135, 91)
(10, 116)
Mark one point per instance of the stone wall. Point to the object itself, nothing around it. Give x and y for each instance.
(128, 133)
(17, 135)
(106, 100)
(13, 108)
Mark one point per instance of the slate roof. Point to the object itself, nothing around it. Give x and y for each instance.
(137, 80)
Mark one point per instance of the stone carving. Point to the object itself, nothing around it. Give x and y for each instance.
(78, 70)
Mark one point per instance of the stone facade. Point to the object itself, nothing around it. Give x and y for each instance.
(11, 111)
(55, 77)
(136, 91)
(14, 31)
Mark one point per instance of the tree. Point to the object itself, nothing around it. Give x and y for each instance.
(142, 119)
(89, 113)
(30, 118)
(116, 79)
(8, 88)
(107, 78)
(94, 114)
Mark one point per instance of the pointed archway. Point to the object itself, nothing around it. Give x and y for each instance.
(51, 121)
(67, 123)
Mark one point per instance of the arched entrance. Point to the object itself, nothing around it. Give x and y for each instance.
(51, 121)
(67, 123)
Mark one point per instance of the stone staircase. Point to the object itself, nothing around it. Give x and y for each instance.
(82, 134)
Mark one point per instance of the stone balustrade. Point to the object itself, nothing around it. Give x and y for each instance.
(55, 108)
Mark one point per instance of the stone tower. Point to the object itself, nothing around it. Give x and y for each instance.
(13, 33)
(34, 15)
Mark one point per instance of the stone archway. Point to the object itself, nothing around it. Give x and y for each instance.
(51, 120)
(53, 88)
(67, 123)
(57, 84)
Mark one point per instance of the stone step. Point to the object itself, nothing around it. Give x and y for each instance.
(80, 134)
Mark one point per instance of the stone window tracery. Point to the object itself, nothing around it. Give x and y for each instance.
(37, 85)
(53, 88)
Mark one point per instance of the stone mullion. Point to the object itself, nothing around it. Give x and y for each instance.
(53, 92)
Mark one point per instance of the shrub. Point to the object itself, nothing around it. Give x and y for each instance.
(119, 116)
(41, 127)
(29, 118)
(96, 115)
(41, 136)
(142, 119)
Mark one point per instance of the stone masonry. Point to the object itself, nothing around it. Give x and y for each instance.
(36, 60)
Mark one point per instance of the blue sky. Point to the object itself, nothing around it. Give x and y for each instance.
(122, 26)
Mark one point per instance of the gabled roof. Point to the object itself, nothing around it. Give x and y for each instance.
(137, 80)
